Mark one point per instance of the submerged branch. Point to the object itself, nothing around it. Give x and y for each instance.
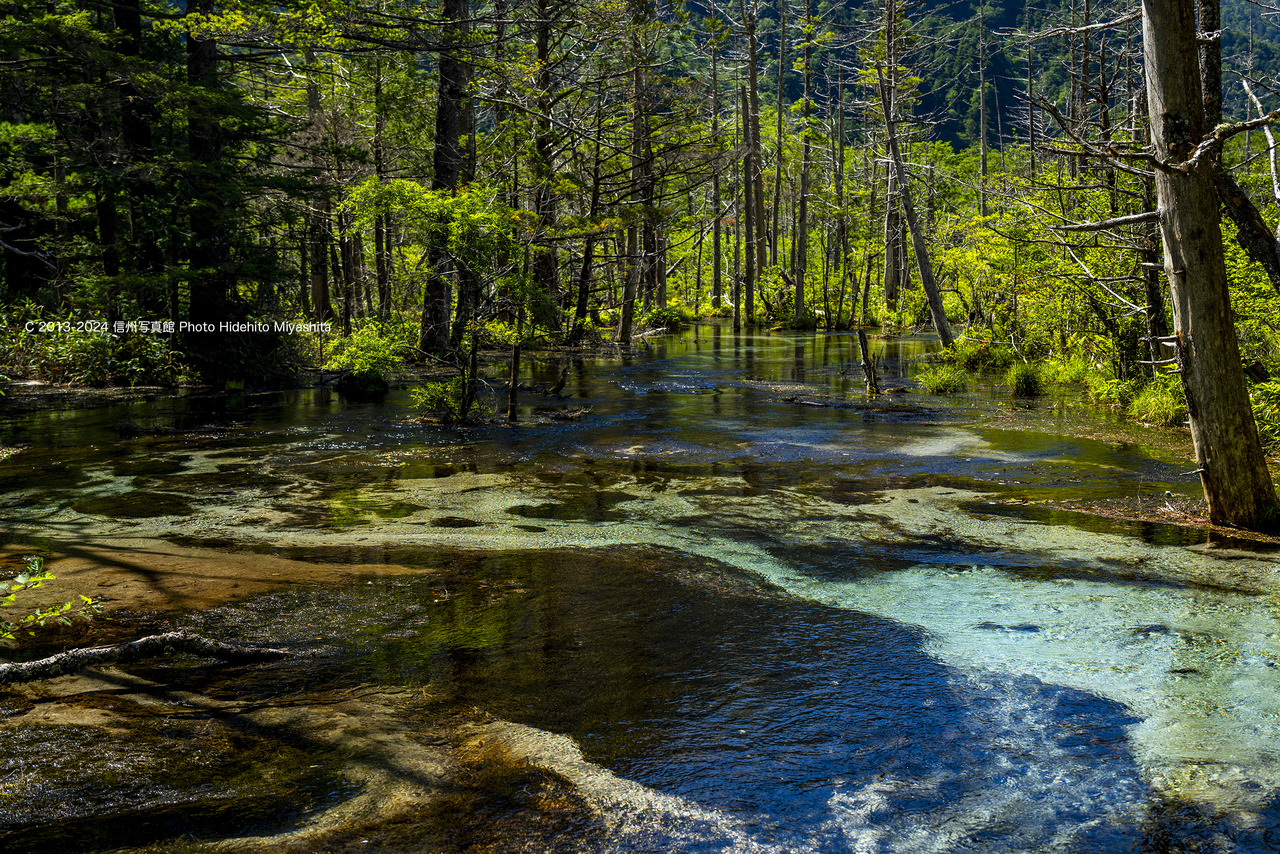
(169, 643)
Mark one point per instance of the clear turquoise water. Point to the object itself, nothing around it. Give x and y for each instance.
(768, 626)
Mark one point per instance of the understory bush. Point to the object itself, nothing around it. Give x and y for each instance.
(973, 356)
(1161, 401)
(1024, 380)
(672, 317)
(943, 379)
(1069, 369)
(63, 350)
(1266, 412)
(369, 355)
(452, 401)
(1104, 389)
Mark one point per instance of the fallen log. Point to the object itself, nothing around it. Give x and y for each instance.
(169, 643)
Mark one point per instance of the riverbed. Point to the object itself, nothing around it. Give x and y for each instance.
(713, 599)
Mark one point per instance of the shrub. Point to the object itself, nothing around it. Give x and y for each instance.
(1104, 389)
(63, 350)
(1024, 380)
(1070, 369)
(943, 379)
(369, 356)
(973, 356)
(451, 401)
(1266, 411)
(1160, 401)
(671, 317)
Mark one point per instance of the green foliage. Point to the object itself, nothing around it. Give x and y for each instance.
(63, 349)
(33, 578)
(1071, 369)
(1160, 401)
(972, 355)
(450, 401)
(1265, 398)
(670, 317)
(458, 400)
(473, 224)
(1023, 380)
(1112, 391)
(370, 355)
(943, 379)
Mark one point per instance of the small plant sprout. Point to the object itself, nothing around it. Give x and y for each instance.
(33, 577)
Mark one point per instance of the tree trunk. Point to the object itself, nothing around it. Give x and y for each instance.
(1232, 468)
(546, 261)
(775, 236)
(750, 209)
(755, 174)
(716, 261)
(447, 165)
(913, 223)
(802, 214)
(208, 252)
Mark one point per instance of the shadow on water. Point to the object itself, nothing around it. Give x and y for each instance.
(757, 719)
(787, 721)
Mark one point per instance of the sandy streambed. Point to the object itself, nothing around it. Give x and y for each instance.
(109, 760)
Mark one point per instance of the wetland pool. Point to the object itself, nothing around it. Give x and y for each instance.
(714, 600)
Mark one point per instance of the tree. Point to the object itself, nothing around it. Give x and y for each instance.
(1232, 468)
(447, 162)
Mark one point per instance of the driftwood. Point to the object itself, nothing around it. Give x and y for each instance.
(169, 643)
(868, 366)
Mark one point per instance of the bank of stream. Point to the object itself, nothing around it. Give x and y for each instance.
(728, 605)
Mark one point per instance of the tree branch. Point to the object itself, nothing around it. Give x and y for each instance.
(169, 643)
(1127, 18)
(1132, 219)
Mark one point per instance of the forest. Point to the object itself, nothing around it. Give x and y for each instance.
(460, 426)
(224, 192)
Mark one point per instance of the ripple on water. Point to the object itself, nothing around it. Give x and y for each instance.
(765, 722)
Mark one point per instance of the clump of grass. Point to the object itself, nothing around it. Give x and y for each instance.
(669, 317)
(1024, 380)
(943, 379)
(973, 356)
(1071, 369)
(1160, 401)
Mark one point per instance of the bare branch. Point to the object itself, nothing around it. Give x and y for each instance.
(1132, 219)
(1127, 18)
(1214, 142)
(1271, 140)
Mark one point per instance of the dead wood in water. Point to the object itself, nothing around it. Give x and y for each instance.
(868, 366)
(169, 643)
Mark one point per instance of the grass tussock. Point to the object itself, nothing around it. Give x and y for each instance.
(943, 379)
(1024, 380)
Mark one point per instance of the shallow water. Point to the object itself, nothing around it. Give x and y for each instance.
(768, 625)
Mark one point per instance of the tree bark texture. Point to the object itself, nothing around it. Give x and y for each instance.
(1233, 470)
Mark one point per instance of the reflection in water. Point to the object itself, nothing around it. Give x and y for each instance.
(790, 627)
(771, 721)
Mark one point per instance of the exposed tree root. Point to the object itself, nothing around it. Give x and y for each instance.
(169, 643)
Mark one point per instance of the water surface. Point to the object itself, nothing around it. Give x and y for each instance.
(773, 615)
